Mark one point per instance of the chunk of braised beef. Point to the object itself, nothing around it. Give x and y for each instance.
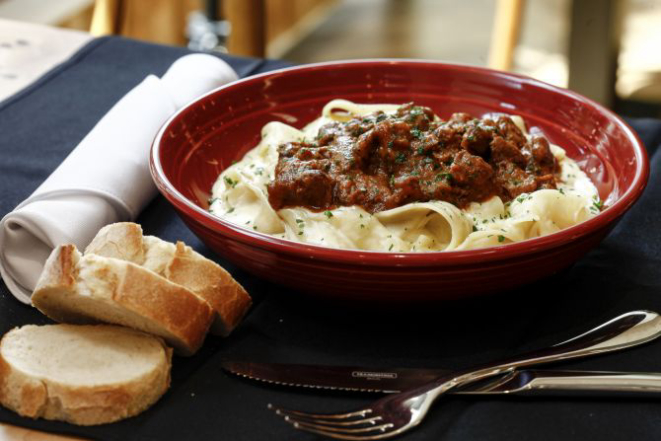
(301, 183)
(542, 155)
(473, 172)
(510, 131)
(395, 134)
(449, 134)
(517, 183)
(503, 150)
(425, 144)
(386, 143)
(406, 189)
(476, 140)
(419, 117)
(357, 127)
(329, 132)
(364, 148)
(459, 119)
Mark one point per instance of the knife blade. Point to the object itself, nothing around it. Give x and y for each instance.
(347, 378)
(360, 379)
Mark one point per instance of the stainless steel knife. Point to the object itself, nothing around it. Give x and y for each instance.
(360, 379)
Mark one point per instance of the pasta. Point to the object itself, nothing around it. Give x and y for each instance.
(240, 195)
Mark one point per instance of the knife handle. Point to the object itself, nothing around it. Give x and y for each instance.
(606, 382)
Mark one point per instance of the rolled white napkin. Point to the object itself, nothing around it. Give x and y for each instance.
(106, 177)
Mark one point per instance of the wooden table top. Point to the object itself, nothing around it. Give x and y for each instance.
(27, 51)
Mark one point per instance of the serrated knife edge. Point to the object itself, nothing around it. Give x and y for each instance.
(234, 371)
(343, 378)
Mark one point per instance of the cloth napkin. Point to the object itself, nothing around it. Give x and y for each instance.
(106, 178)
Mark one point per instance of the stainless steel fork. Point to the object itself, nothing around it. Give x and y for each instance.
(397, 413)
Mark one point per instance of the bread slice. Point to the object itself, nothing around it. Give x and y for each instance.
(82, 374)
(92, 289)
(179, 264)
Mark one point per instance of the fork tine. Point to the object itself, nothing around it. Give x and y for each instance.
(342, 416)
(328, 423)
(380, 432)
(304, 425)
(336, 425)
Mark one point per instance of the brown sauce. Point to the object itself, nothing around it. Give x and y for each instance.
(384, 161)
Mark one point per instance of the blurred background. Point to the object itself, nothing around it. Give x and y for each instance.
(608, 50)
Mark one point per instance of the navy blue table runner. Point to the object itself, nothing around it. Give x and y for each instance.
(41, 124)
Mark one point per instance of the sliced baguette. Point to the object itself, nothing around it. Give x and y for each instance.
(179, 264)
(82, 374)
(94, 289)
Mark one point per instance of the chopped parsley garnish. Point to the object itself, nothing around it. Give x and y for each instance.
(501, 238)
(229, 181)
(421, 151)
(299, 221)
(300, 233)
(597, 204)
(417, 133)
(391, 245)
(328, 214)
(390, 144)
(474, 228)
(401, 158)
(381, 117)
(231, 209)
(561, 191)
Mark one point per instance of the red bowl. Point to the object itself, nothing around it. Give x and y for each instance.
(203, 138)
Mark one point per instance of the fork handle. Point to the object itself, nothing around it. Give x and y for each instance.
(579, 382)
(627, 330)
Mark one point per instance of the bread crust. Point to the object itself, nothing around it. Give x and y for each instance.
(211, 282)
(180, 264)
(145, 300)
(59, 399)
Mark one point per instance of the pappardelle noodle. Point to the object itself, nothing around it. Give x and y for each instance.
(396, 178)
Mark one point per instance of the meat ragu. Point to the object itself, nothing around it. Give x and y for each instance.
(384, 161)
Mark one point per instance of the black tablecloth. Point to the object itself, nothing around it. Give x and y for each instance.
(41, 124)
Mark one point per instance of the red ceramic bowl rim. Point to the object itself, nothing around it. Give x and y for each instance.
(378, 258)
